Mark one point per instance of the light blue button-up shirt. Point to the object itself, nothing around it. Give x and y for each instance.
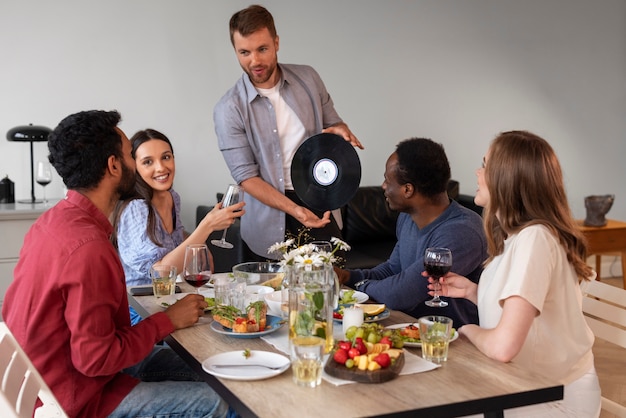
(137, 251)
(247, 134)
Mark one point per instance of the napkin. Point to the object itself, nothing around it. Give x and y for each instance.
(412, 363)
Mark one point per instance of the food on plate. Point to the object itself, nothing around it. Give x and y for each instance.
(372, 333)
(366, 356)
(347, 297)
(210, 303)
(411, 333)
(371, 309)
(369, 354)
(276, 282)
(254, 319)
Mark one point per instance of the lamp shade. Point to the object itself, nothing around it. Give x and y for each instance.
(29, 133)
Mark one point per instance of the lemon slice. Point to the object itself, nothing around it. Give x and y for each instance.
(371, 309)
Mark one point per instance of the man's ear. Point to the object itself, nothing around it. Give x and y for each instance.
(114, 165)
(408, 190)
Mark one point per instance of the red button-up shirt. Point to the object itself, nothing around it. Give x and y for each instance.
(68, 308)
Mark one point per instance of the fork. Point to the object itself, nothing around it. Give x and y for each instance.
(218, 366)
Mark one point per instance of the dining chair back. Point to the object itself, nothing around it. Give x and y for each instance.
(604, 307)
(21, 384)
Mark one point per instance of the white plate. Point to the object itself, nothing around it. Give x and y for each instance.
(248, 372)
(409, 344)
(273, 323)
(359, 296)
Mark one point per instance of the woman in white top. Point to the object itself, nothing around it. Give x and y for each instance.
(528, 297)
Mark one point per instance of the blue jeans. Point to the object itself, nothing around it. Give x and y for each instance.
(169, 388)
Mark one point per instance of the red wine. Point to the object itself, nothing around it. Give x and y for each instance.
(198, 280)
(436, 270)
(43, 182)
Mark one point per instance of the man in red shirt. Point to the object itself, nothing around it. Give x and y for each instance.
(67, 305)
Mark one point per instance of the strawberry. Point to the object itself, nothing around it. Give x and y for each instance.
(353, 352)
(341, 356)
(360, 345)
(346, 345)
(383, 360)
(386, 340)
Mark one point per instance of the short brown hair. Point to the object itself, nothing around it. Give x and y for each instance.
(250, 20)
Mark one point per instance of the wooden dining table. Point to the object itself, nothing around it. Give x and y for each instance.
(468, 383)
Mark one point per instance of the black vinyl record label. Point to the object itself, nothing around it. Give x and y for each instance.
(325, 171)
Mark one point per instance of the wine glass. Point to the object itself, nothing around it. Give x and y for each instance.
(196, 267)
(44, 177)
(437, 262)
(234, 195)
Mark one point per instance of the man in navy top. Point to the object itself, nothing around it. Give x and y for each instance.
(416, 179)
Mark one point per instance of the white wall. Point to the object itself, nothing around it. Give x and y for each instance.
(456, 71)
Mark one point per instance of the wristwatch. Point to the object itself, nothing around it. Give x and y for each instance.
(357, 285)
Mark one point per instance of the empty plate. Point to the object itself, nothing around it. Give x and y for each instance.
(235, 365)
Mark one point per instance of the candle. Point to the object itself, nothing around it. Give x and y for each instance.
(352, 316)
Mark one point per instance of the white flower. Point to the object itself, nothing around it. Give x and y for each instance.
(281, 246)
(339, 244)
(307, 254)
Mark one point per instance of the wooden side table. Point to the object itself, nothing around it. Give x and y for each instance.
(610, 238)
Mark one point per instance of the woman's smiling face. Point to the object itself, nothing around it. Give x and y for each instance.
(155, 164)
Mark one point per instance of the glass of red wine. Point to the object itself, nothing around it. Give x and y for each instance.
(437, 263)
(196, 267)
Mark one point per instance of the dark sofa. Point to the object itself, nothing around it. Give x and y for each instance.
(369, 227)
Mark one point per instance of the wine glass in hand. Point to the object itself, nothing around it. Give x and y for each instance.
(437, 263)
(44, 176)
(196, 267)
(233, 195)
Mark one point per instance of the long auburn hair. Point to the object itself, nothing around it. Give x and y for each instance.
(142, 189)
(525, 184)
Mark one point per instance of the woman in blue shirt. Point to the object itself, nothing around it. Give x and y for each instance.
(148, 229)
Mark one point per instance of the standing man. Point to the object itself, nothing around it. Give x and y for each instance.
(416, 179)
(67, 305)
(261, 122)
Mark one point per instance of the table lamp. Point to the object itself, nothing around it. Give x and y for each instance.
(29, 133)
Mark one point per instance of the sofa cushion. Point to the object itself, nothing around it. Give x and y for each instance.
(367, 216)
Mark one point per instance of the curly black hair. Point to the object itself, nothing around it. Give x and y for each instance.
(81, 145)
(423, 163)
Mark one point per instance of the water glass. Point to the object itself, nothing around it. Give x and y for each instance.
(307, 355)
(238, 296)
(163, 280)
(435, 334)
(223, 286)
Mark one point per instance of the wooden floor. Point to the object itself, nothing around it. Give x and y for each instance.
(611, 365)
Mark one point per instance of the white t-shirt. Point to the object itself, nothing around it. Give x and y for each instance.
(534, 266)
(290, 129)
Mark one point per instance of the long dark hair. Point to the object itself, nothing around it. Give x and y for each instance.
(142, 189)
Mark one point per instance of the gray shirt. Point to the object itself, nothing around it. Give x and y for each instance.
(247, 135)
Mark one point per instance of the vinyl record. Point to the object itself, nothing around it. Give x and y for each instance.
(325, 172)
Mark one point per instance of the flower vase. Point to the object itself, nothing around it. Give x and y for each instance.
(311, 301)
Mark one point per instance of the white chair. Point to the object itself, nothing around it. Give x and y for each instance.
(604, 307)
(21, 384)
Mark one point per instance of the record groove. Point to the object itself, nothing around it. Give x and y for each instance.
(325, 171)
